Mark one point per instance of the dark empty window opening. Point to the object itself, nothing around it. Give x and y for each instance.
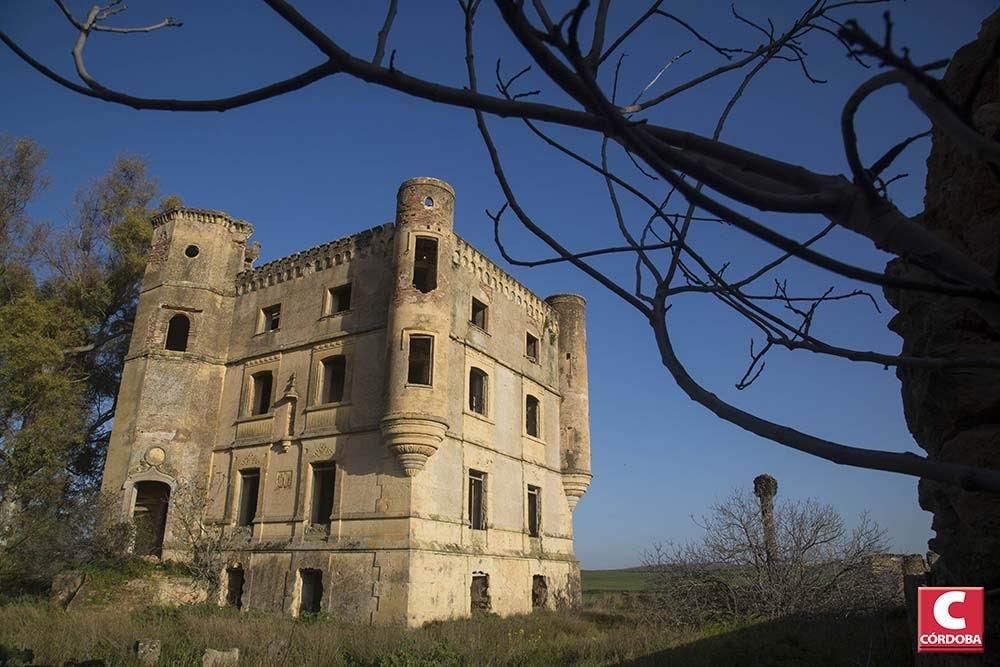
(539, 591)
(530, 347)
(323, 477)
(334, 376)
(531, 415)
(477, 500)
(478, 316)
(340, 299)
(311, 593)
(421, 356)
(249, 490)
(425, 262)
(428, 202)
(191, 251)
(477, 390)
(271, 318)
(150, 517)
(177, 333)
(234, 587)
(534, 511)
(261, 399)
(480, 593)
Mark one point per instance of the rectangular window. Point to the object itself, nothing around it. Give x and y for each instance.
(477, 500)
(311, 593)
(478, 316)
(477, 390)
(323, 477)
(261, 397)
(425, 264)
(249, 489)
(421, 360)
(534, 511)
(334, 376)
(340, 299)
(531, 415)
(270, 318)
(530, 347)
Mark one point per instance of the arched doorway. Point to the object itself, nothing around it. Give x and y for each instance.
(150, 517)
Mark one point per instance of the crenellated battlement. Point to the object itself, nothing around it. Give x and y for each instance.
(496, 278)
(374, 241)
(205, 215)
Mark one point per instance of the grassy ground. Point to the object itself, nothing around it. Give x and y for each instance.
(607, 631)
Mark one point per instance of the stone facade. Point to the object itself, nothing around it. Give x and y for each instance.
(395, 428)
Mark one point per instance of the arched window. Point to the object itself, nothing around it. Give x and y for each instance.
(177, 333)
(531, 415)
(477, 390)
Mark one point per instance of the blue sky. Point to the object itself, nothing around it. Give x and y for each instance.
(326, 161)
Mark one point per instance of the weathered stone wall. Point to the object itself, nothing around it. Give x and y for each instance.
(167, 411)
(399, 546)
(953, 414)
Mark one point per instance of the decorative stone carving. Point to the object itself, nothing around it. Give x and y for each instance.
(155, 456)
(575, 485)
(413, 439)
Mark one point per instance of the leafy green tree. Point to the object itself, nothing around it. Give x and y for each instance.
(67, 303)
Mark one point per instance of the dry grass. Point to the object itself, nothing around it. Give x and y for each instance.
(605, 632)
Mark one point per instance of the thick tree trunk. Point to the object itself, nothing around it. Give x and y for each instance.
(955, 414)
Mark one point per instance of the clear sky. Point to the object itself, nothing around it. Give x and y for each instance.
(325, 162)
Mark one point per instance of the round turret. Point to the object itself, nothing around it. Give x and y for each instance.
(419, 321)
(574, 410)
(426, 203)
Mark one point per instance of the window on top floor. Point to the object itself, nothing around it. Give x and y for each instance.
(425, 260)
(340, 299)
(530, 346)
(270, 318)
(478, 316)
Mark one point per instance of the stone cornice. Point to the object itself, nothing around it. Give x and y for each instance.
(374, 241)
(467, 257)
(203, 215)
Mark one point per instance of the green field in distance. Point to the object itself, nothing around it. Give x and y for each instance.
(596, 581)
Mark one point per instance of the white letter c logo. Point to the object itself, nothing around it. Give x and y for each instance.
(942, 614)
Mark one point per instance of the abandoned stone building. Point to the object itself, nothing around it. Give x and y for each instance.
(388, 426)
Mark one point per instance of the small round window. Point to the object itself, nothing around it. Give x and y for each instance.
(428, 202)
(191, 251)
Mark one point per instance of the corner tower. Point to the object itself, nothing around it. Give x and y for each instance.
(419, 321)
(574, 411)
(167, 411)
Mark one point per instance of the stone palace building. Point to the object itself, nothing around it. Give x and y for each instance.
(387, 427)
